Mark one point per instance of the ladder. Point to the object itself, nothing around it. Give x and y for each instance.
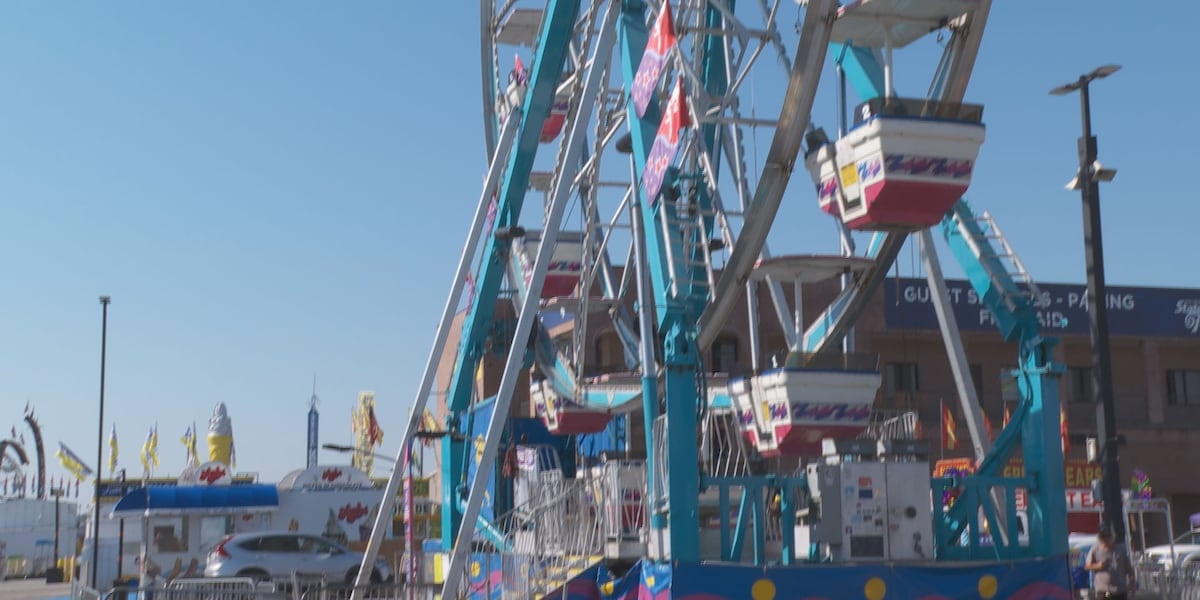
(1006, 256)
(687, 250)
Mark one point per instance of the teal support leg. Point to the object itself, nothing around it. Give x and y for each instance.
(452, 476)
(788, 520)
(739, 534)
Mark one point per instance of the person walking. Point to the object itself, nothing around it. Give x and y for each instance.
(1112, 575)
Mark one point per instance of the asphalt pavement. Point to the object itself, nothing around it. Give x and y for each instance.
(33, 589)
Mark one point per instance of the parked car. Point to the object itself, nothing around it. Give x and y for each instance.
(1187, 551)
(274, 555)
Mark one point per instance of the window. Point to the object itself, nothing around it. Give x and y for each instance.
(902, 378)
(311, 545)
(170, 535)
(725, 354)
(1079, 384)
(609, 355)
(1009, 390)
(1183, 387)
(278, 543)
(213, 530)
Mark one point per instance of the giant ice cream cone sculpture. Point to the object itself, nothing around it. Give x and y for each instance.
(220, 436)
(367, 432)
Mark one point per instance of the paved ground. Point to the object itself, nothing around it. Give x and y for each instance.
(33, 589)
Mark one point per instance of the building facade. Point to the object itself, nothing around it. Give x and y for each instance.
(1155, 345)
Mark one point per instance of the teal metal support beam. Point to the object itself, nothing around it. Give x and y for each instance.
(862, 69)
(452, 448)
(1038, 380)
(551, 53)
(683, 505)
(632, 37)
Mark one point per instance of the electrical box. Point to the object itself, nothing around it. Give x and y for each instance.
(909, 518)
(872, 510)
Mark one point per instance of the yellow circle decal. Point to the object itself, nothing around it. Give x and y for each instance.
(475, 569)
(607, 588)
(988, 586)
(649, 581)
(763, 589)
(875, 589)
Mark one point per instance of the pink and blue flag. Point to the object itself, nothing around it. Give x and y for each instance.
(662, 40)
(666, 142)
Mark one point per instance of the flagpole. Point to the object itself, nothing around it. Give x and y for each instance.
(942, 429)
(104, 300)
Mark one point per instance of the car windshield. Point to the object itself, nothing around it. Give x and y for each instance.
(1189, 537)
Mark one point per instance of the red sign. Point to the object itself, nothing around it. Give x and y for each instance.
(352, 512)
(331, 474)
(211, 475)
(1079, 476)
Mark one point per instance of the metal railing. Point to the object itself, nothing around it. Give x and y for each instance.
(553, 537)
(1156, 581)
(661, 466)
(917, 107)
(832, 361)
(723, 451)
(296, 587)
(888, 424)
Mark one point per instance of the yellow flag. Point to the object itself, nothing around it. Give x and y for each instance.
(150, 450)
(72, 463)
(112, 455)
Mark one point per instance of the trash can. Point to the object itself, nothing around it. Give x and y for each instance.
(122, 587)
(119, 592)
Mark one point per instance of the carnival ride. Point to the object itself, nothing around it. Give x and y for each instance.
(13, 465)
(634, 114)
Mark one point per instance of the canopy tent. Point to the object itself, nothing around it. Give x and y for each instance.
(181, 500)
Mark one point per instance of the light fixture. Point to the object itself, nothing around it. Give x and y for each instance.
(1099, 173)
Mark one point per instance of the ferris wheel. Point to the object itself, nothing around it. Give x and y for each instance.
(661, 169)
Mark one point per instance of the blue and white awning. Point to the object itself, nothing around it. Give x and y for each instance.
(173, 500)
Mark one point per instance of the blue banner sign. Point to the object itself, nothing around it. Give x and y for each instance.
(1061, 308)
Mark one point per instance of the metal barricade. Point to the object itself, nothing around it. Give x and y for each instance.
(79, 591)
(1155, 581)
(221, 588)
(298, 586)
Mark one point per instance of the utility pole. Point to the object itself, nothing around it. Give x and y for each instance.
(104, 300)
(1087, 181)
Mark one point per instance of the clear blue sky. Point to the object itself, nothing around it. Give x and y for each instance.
(273, 190)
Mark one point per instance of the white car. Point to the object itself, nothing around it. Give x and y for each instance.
(276, 555)
(1187, 551)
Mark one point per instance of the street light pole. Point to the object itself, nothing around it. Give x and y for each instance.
(57, 524)
(1087, 180)
(104, 300)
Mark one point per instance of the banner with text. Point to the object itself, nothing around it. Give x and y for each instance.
(1061, 308)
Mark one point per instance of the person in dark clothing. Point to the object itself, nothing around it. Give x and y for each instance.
(1112, 575)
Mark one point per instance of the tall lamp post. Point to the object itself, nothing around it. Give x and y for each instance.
(1087, 181)
(104, 300)
(55, 574)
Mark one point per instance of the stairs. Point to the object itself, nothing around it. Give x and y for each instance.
(689, 261)
(1006, 256)
(990, 250)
